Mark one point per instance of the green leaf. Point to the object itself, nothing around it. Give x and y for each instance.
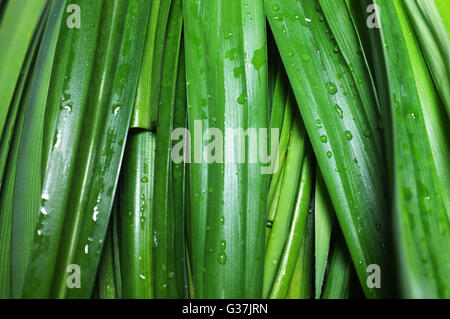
(278, 98)
(297, 234)
(9, 150)
(434, 43)
(103, 171)
(301, 286)
(91, 104)
(289, 109)
(337, 284)
(165, 215)
(106, 283)
(136, 219)
(7, 200)
(27, 186)
(17, 26)
(279, 233)
(323, 222)
(74, 58)
(19, 95)
(226, 76)
(141, 117)
(443, 7)
(341, 127)
(420, 155)
(179, 173)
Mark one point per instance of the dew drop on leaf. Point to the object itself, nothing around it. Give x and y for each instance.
(222, 258)
(348, 135)
(339, 111)
(332, 88)
(306, 57)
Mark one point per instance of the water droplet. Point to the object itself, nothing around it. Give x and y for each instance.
(222, 258)
(276, 8)
(45, 196)
(86, 249)
(291, 54)
(223, 245)
(95, 214)
(367, 133)
(259, 58)
(329, 154)
(323, 139)
(57, 140)
(348, 135)
(142, 276)
(222, 220)
(242, 98)
(331, 88)
(171, 275)
(306, 57)
(339, 111)
(228, 35)
(155, 240)
(116, 110)
(144, 179)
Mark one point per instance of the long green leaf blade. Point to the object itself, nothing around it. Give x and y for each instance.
(323, 222)
(420, 156)
(136, 221)
(226, 67)
(434, 43)
(339, 126)
(29, 175)
(17, 26)
(164, 210)
(292, 246)
(62, 152)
